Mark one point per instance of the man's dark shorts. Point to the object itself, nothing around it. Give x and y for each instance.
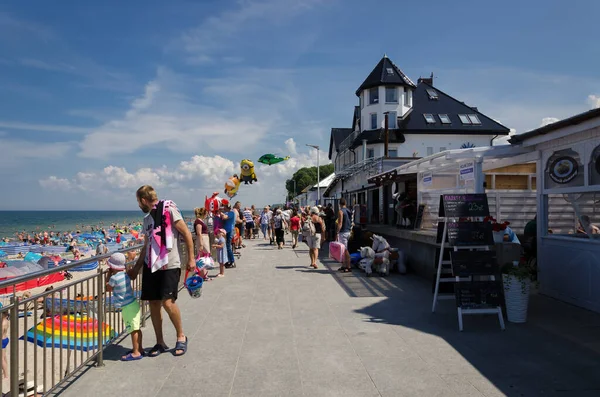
(160, 285)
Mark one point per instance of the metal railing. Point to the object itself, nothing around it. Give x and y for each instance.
(54, 333)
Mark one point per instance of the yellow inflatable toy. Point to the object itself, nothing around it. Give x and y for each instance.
(247, 171)
(232, 185)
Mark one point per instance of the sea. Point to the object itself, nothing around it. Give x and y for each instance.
(39, 221)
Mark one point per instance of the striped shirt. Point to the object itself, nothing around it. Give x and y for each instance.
(122, 292)
(248, 216)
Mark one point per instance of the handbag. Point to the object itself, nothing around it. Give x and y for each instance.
(205, 260)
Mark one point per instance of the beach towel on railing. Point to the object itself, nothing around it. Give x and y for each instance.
(160, 235)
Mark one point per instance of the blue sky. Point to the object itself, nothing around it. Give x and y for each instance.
(100, 97)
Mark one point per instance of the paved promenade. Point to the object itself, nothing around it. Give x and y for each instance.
(273, 327)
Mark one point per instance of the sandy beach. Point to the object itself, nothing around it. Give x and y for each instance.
(31, 356)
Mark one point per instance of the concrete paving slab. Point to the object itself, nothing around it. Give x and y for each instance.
(273, 327)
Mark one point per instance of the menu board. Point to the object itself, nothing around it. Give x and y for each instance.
(463, 205)
(419, 218)
(474, 263)
(478, 294)
(470, 233)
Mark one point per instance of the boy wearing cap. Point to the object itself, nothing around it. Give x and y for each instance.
(119, 283)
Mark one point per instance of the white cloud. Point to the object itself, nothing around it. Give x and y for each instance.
(504, 140)
(54, 183)
(166, 116)
(16, 151)
(593, 101)
(43, 127)
(548, 120)
(120, 178)
(213, 170)
(290, 144)
(213, 36)
(208, 171)
(188, 182)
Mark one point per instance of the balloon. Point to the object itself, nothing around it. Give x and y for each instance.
(214, 203)
(270, 159)
(232, 185)
(247, 171)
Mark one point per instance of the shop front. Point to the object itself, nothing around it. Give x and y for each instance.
(462, 171)
(568, 217)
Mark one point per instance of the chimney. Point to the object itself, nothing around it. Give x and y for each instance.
(427, 80)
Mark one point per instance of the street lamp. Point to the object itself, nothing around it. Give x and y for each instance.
(295, 194)
(318, 173)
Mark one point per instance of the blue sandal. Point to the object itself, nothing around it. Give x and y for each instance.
(157, 350)
(180, 346)
(129, 357)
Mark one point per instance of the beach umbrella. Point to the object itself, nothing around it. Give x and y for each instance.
(70, 332)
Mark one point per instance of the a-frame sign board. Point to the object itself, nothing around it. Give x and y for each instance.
(471, 257)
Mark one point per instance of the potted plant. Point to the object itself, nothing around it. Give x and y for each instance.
(517, 278)
(497, 228)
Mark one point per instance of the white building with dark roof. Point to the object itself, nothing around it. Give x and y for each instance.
(395, 122)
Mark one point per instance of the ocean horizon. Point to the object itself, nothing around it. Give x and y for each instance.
(31, 221)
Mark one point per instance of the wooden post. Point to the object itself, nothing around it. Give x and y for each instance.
(386, 132)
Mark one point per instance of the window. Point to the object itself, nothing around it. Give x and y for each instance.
(474, 119)
(391, 95)
(429, 150)
(374, 95)
(392, 152)
(444, 119)
(442, 149)
(432, 93)
(594, 167)
(406, 98)
(464, 119)
(374, 121)
(370, 153)
(429, 118)
(392, 117)
(574, 215)
(362, 100)
(390, 71)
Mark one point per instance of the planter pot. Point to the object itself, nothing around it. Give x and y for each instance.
(498, 237)
(516, 296)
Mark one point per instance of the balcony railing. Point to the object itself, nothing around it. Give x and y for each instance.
(347, 143)
(55, 333)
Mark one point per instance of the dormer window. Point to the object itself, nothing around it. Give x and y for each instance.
(464, 119)
(474, 119)
(432, 93)
(374, 95)
(391, 95)
(469, 119)
(390, 71)
(407, 98)
(444, 119)
(429, 118)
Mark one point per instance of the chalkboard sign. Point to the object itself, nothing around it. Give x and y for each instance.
(474, 263)
(478, 294)
(440, 232)
(470, 233)
(463, 205)
(419, 218)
